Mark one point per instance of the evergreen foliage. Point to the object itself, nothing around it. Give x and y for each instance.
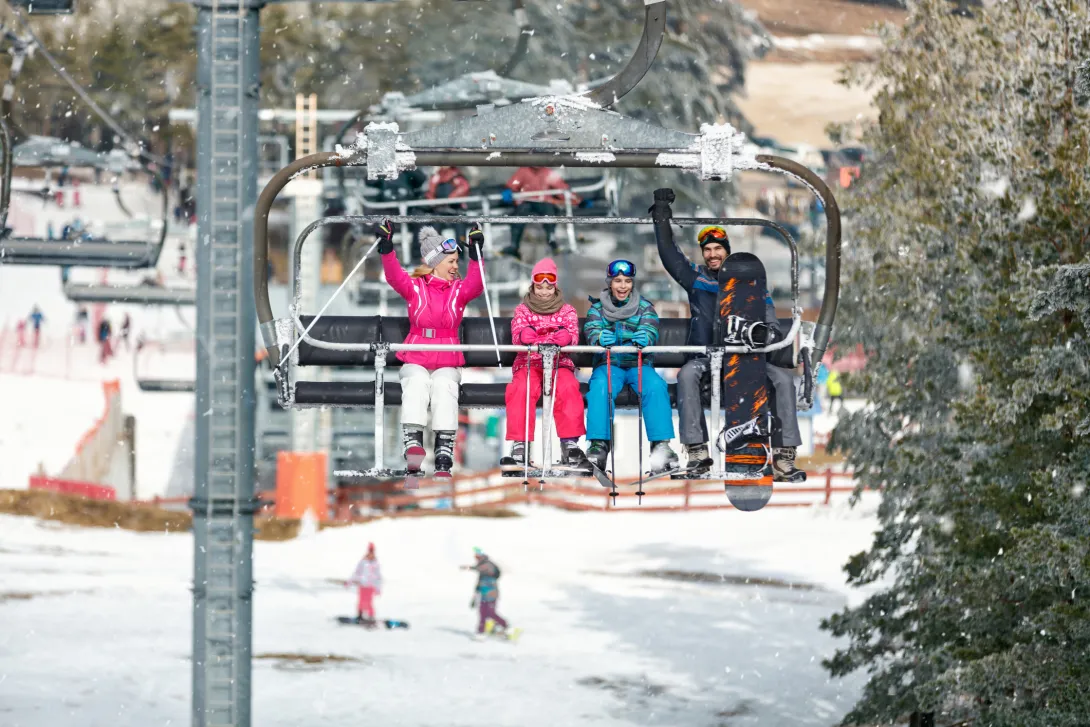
(967, 282)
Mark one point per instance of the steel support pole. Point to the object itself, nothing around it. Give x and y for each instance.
(223, 501)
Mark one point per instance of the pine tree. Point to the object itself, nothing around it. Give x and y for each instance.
(967, 283)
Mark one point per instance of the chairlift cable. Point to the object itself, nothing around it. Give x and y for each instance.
(67, 77)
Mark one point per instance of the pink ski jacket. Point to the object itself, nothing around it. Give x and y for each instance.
(435, 310)
(561, 328)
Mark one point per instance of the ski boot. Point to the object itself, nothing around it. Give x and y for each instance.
(663, 458)
(511, 251)
(573, 458)
(413, 440)
(783, 466)
(598, 453)
(698, 461)
(517, 460)
(444, 453)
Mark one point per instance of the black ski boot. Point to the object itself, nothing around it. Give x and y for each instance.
(698, 461)
(413, 440)
(511, 251)
(598, 453)
(783, 466)
(515, 461)
(663, 458)
(444, 453)
(574, 459)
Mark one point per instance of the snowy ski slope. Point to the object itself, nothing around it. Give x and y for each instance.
(102, 636)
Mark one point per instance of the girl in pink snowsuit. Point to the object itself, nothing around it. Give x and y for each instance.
(544, 317)
(368, 578)
(437, 298)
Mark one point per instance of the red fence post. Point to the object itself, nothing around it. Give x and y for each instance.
(688, 491)
(828, 484)
(453, 493)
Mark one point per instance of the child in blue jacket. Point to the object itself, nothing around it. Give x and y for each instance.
(622, 317)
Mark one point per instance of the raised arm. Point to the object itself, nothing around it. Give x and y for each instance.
(673, 259)
(398, 279)
(473, 285)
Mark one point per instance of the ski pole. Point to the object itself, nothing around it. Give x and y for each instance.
(639, 424)
(612, 413)
(488, 304)
(526, 431)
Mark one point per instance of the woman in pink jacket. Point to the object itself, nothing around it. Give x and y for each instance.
(437, 297)
(544, 317)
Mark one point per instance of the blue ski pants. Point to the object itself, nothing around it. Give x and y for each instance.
(658, 418)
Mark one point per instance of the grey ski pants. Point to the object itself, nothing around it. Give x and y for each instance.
(694, 427)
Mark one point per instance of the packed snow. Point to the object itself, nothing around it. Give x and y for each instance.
(98, 622)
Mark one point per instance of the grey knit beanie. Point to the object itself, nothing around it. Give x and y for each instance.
(431, 246)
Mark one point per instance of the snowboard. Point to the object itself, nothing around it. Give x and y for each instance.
(745, 440)
(511, 634)
(388, 623)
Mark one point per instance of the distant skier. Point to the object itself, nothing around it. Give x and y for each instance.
(368, 579)
(81, 324)
(105, 333)
(622, 317)
(487, 593)
(36, 318)
(126, 329)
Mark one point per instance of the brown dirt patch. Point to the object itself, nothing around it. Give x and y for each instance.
(726, 580)
(15, 596)
(307, 658)
(141, 517)
(92, 513)
(831, 17)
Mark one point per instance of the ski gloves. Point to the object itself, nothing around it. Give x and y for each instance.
(385, 236)
(660, 210)
(474, 242)
(608, 337)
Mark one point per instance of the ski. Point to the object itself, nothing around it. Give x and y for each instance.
(681, 473)
(414, 460)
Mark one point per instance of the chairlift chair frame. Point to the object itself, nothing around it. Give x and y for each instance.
(569, 131)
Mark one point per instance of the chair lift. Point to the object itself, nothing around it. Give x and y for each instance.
(22, 149)
(574, 131)
(157, 385)
(148, 384)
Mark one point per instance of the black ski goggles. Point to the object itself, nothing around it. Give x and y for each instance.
(621, 267)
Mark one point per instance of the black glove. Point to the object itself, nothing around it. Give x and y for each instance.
(475, 241)
(385, 236)
(660, 210)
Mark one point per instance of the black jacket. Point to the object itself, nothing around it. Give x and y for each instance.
(702, 285)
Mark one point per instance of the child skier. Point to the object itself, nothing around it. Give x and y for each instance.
(544, 317)
(437, 298)
(486, 594)
(368, 579)
(623, 317)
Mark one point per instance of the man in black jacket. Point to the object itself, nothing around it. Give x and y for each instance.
(702, 284)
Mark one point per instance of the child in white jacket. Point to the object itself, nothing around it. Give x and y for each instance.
(368, 578)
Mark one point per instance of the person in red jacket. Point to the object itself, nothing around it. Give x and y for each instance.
(449, 183)
(436, 297)
(544, 317)
(536, 179)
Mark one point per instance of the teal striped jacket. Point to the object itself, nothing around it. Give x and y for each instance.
(645, 320)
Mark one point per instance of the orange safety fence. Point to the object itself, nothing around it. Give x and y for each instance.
(490, 489)
(72, 487)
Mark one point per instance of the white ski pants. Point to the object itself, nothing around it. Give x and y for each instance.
(438, 389)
